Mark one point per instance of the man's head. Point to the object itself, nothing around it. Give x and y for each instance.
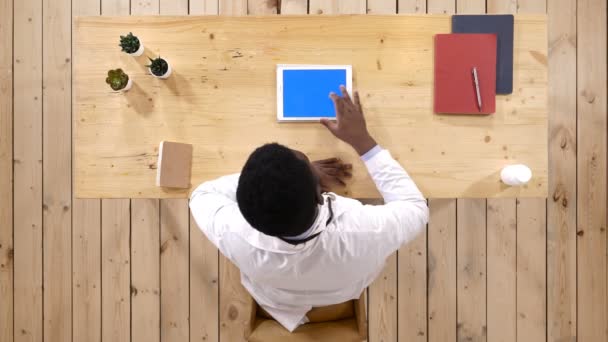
(278, 192)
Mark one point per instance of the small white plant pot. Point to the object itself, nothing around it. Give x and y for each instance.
(139, 51)
(128, 86)
(516, 175)
(166, 75)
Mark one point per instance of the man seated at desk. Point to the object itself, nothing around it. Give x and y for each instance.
(298, 247)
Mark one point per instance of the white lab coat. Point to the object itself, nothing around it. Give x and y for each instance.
(336, 266)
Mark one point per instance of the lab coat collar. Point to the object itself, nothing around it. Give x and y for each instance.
(273, 244)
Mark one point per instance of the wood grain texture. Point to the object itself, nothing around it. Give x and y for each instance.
(472, 318)
(145, 270)
(591, 171)
(502, 266)
(145, 245)
(115, 239)
(86, 246)
(531, 269)
(86, 243)
(294, 7)
(442, 256)
(532, 6)
(263, 7)
(442, 270)
(199, 7)
(561, 207)
(501, 245)
(412, 290)
(174, 266)
(441, 6)
(381, 7)
(471, 266)
(86, 7)
(175, 247)
(86, 279)
(411, 6)
(57, 165)
(382, 300)
(471, 247)
(204, 289)
(144, 7)
(233, 7)
(235, 303)
(6, 170)
(412, 265)
(532, 241)
(470, 6)
(27, 172)
(337, 6)
(501, 6)
(115, 271)
(196, 98)
(115, 7)
(204, 262)
(174, 7)
(501, 242)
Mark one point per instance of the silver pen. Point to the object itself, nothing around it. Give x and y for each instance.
(476, 79)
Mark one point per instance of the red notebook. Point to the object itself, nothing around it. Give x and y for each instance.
(455, 57)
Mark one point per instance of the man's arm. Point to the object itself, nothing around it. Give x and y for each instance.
(405, 213)
(208, 204)
(391, 179)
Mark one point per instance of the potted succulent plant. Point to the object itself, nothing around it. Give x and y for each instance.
(118, 80)
(159, 68)
(131, 45)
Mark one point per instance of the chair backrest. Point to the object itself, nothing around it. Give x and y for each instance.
(342, 322)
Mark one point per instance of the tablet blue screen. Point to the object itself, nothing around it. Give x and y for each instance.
(306, 92)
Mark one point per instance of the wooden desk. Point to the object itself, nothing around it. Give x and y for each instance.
(222, 98)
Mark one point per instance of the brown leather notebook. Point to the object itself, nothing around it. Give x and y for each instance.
(174, 165)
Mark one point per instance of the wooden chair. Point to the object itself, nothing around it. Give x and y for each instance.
(344, 322)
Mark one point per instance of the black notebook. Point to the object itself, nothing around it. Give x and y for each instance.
(502, 26)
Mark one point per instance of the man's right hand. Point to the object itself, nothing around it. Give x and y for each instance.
(350, 124)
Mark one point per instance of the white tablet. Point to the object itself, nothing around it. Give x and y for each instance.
(303, 90)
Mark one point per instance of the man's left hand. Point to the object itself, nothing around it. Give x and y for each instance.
(332, 172)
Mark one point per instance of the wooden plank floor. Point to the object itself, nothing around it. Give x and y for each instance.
(140, 270)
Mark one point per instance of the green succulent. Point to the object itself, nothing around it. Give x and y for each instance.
(158, 66)
(117, 79)
(129, 43)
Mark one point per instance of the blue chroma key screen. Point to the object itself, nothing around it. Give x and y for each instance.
(306, 92)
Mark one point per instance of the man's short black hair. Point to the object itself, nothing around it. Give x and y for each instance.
(277, 191)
